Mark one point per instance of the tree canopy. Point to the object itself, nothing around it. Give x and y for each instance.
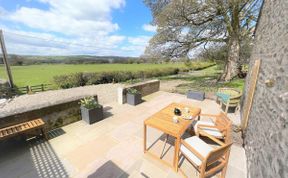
(183, 25)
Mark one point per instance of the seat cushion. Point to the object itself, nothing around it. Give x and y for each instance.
(199, 145)
(212, 131)
(208, 122)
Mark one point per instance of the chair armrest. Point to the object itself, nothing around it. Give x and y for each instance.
(190, 148)
(202, 132)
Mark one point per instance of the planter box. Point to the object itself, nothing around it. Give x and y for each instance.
(91, 116)
(134, 99)
(196, 95)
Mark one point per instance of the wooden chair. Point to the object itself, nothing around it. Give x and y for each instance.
(230, 97)
(219, 126)
(206, 159)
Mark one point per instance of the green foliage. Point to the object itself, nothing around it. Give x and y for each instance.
(219, 53)
(94, 78)
(189, 24)
(89, 103)
(38, 74)
(133, 91)
(204, 80)
(187, 63)
(70, 81)
(183, 25)
(82, 79)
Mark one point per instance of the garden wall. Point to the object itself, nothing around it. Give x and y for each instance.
(265, 139)
(145, 88)
(57, 108)
(55, 115)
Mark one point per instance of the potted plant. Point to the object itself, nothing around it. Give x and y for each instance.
(91, 110)
(133, 96)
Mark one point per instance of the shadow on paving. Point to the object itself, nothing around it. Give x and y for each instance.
(109, 170)
(34, 158)
(55, 133)
(106, 112)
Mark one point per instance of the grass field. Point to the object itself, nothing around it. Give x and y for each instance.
(204, 80)
(38, 74)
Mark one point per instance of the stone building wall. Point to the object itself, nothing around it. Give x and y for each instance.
(266, 137)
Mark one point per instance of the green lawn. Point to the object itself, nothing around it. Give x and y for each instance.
(204, 80)
(38, 74)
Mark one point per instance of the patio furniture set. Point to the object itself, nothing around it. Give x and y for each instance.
(208, 160)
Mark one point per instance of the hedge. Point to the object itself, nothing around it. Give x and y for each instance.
(93, 78)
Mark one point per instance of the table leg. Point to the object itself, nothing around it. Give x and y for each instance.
(145, 132)
(176, 153)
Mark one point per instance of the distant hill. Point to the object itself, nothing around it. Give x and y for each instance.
(75, 59)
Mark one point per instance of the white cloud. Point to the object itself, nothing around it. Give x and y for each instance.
(70, 27)
(141, 40)
(149, 28)
(19, 42)
(70, 17)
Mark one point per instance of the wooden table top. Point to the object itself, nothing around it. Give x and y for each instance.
(163, 120)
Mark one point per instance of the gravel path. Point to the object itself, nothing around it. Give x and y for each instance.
(106, 93)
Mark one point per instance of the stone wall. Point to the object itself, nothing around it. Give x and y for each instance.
(266, 137)
(145, 88)
(55, 115)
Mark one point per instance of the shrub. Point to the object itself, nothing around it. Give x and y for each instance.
(81, 79)
(133, 91)
(90, 103)
(92, 78)
(70, 80)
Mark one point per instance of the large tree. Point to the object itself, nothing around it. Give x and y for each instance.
(183, 25)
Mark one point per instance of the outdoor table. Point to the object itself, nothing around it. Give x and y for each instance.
(163, 121)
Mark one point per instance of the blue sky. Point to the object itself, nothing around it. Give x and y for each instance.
(69, 27)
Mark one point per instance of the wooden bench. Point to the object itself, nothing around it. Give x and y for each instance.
(36, 124)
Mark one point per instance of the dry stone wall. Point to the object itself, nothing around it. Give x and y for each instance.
(266, 137)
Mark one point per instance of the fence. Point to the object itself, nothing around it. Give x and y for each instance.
(34, 89)
(8, 92)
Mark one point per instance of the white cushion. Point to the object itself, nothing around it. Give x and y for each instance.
(199, 145)
(211, 131)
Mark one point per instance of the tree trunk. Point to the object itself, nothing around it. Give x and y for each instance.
(231, 68)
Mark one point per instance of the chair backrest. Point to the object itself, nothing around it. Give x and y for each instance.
(225, 123)
(219, 153)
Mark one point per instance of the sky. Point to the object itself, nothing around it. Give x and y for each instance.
(76, 27)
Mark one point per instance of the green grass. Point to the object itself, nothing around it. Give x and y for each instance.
(204, 80)
(38, 74)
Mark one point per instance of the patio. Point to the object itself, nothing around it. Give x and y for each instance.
(110, 148)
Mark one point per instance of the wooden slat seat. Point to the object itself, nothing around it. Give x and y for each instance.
(22, 128)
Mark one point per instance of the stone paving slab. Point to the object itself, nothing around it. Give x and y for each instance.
(110, 148)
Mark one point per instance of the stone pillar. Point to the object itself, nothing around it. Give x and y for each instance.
(120, 95)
